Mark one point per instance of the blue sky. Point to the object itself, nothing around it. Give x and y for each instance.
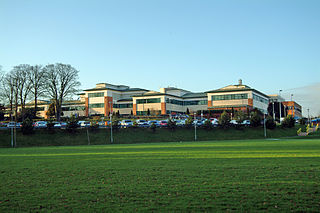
(194, 45)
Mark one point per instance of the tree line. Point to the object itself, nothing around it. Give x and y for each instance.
(26, 82)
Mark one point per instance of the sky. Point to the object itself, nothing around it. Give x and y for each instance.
(197, 45)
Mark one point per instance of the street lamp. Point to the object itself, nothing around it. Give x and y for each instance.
(280, 106)
(291, 96)
(195, 127)
(111, 136)
(308, 117)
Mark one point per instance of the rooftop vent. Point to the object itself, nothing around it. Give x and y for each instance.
(240, 81)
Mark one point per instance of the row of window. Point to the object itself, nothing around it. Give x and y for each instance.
(97, 94)
(149, 101)
(229, 97)
(260, 99)
(121, 106)
(99, 105)
(74, 108)
(186, 103)
(152, 112)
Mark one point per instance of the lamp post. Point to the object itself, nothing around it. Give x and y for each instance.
(280, 106)
(308, 117)
(274, 115)
(291, 96)
(264, 125)
(195, 127)
(111, 136)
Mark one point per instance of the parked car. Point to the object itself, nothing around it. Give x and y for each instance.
(246, 122)
(154, 122)
(13, 124)
(41, 124)
(197, 122)
(180, 122)
(142, 123)
(163, 123)
(126, 123)
(214, 121)
(233, 122)
(84, 123)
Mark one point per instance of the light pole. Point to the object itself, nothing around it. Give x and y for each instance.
(274, 115)
(291, 96)
(195, 127)
(111, 136)
(264, 125)
(308, 117)
(280, 106)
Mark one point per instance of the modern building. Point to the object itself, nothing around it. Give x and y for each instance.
(106, 98)
(293, 108)
(236, 97)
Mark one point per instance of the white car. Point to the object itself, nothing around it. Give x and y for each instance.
(13, 124)
(40, 124)
(246, 122)
(142, 123)
(84, 123)
(126, 123)
(233, 122)
(214, 121)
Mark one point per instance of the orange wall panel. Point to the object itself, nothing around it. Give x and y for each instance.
(163, 109)
(87, 106)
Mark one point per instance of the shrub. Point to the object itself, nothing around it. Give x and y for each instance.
(288, 122)
(72, 124)
(224, 119)
(27, 127)
(207, 125)
(270, 123)
(240, 116)
(188, 123)
(171, 124)
(255, 119)
(153, 127)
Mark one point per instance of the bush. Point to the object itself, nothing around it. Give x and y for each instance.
(255, 119)
(72, 124)
(207, 125)
(224, 120)
(240, 116)
(288, 122)
(153, 127)
(171, 124)
(27, 127)
(270, 123)
(189, 122)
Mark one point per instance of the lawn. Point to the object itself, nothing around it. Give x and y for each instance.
(235, 175)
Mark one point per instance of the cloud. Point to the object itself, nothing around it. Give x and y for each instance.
(308, 97)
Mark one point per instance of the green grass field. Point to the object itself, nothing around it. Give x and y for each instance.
(237, 175)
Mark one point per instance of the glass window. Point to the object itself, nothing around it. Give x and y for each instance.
(97, 94)
(229, 97)
(149, 101)
(96, 105)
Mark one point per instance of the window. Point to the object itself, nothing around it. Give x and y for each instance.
(186, 103)
(229, 97)
(96, 105)
(74, 108)
(260, 99)
(149, 101)
(97, 94)
(121, 106)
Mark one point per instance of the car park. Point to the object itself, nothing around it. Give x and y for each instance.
(180, 122)
(126, 123)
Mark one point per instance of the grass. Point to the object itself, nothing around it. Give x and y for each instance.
(237, 175)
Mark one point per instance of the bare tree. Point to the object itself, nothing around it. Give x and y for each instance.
(61, 82)
(37, 80)
(7, 91)
(21, 74)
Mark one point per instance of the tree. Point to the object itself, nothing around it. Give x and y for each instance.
(240, 116)
(207, 125)
(189, 122)
(224, 120)
(188, 112)
(270, 123)
(61, 82)
(27, 126)
(21, 75)
(288, 122)
(37, 80)
(255, 119)
(7, 91)
(51, 110)
(148, 112)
